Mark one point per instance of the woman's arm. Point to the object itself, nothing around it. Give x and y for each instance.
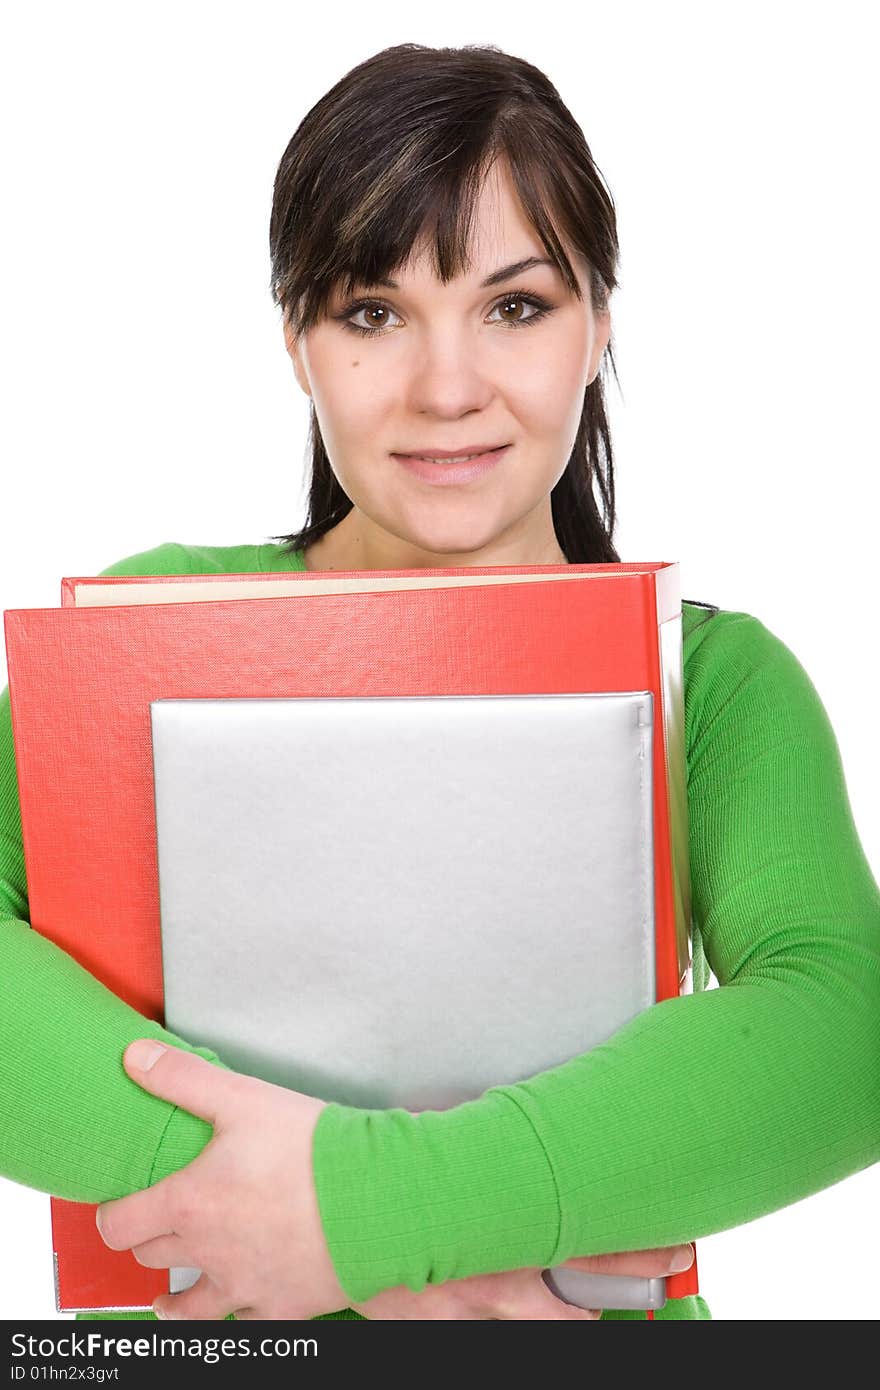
(704, 1112)
(73, 1123)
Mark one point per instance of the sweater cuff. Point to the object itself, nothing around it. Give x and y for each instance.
(414, 1198)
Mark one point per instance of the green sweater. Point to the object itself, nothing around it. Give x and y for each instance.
(704, 1112)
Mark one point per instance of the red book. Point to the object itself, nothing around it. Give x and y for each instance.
(81, 679)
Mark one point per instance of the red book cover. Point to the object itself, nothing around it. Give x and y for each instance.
(81, 679)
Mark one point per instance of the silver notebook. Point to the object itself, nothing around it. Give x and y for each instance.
(404, 900)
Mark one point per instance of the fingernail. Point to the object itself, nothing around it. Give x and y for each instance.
(682, 1259)
(159, 1313)
(145, 1054)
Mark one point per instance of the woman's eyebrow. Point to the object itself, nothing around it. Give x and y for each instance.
(506, 272)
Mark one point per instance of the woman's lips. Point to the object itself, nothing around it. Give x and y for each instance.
(447, 474)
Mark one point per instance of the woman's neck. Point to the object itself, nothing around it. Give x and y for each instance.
(344, 547)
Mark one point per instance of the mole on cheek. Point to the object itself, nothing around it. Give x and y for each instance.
(355, 364)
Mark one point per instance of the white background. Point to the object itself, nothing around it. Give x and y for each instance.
(148, 397)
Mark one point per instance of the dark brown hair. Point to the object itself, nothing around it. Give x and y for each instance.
(395, 155)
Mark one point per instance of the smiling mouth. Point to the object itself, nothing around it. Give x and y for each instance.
(469, 457)
(455, 470)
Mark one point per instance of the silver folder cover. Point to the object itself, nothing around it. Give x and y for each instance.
(401, 901)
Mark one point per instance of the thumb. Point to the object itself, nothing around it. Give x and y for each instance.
(181, 1077)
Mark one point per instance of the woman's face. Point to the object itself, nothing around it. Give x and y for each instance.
(451, 368)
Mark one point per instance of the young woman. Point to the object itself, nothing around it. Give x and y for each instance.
(443, 251)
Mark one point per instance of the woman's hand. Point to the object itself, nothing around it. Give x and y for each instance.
(520, 1294)
(245, 1211)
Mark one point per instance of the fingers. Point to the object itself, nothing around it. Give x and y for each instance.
(530, 1299)
(202, 1302)
(541, 1303)
(137, 1218)
(165, 1252)
(648, 1264)
(553, 1309)
(192, 1082)
(559, 1310)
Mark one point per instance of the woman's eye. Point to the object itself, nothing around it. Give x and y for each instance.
(375, 323)
(539, 306)
(377, 315)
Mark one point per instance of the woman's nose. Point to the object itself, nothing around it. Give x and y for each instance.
(449, 376)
